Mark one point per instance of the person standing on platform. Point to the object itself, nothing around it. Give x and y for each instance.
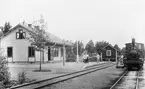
(98, 58)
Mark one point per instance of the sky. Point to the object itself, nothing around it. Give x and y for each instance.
(114, 21)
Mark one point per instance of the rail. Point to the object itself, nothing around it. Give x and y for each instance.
(55, 80)
(113, 86)
(137, 81)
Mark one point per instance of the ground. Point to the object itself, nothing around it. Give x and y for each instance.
(53, 69)
(102, 79)
(129, 81)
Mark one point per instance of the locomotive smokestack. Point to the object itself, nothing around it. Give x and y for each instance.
(133, 43)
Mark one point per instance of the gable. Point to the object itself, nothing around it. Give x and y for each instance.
(52, 38)
(11, 37)
(13, 30)
(11, 41)
(109, 48)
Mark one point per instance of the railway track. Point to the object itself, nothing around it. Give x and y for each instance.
(122, 76)
(51, 81)
(115, 84)
(137, 81)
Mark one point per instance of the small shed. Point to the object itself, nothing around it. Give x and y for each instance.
(109, 53)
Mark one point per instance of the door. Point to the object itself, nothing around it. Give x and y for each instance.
(49, 54)
(10, 54)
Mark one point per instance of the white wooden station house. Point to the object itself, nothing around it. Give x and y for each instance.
(18, 49)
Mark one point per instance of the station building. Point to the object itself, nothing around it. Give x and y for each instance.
(17, 48)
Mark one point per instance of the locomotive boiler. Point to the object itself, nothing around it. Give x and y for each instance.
(134, 55)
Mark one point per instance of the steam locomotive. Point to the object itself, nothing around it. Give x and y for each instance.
(134, 55)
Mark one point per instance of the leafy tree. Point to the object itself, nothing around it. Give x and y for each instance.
(39, 38)
(122, 51)
(6, 27)
(70, 56)
(90, 47)
(80, 48)
(100, 45)
(116, 47)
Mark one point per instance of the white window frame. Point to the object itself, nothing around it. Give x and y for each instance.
(108, 53)
(22, 36)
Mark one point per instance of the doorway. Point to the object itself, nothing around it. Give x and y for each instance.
(49, 53)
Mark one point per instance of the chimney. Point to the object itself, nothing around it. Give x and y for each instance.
(133, 42)
(29, 25)
(37, 27)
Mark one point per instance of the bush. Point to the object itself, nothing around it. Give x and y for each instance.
(22, 77)
(70, 57)
(93, 59)
(1, 85)
(4, 71)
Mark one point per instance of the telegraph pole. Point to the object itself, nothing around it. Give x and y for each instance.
(77, 53)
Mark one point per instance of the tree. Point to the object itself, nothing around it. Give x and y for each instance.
(117, 47)
(123, 51)
(70, 56)
(6, 27)
(100, 45)
(39, 38)
(90, 47)
(80, 48)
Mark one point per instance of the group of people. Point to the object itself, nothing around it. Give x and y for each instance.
(86, 58)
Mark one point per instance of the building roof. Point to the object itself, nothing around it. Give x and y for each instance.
(52, 38)
(1, 33)
(111, 47)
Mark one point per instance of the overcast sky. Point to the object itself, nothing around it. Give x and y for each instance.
(114, 21)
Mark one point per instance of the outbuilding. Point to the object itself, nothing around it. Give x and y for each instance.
(109, 53)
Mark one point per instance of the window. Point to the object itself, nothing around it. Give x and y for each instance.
(20, 34)
(108, 53)
(9, 51)
(55, 52)
(31, 52)
(139, 46)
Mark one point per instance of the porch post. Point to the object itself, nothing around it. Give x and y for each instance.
(40, 62)
(101, 57)
(64, 54)
(116, 55)
(59, 52)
